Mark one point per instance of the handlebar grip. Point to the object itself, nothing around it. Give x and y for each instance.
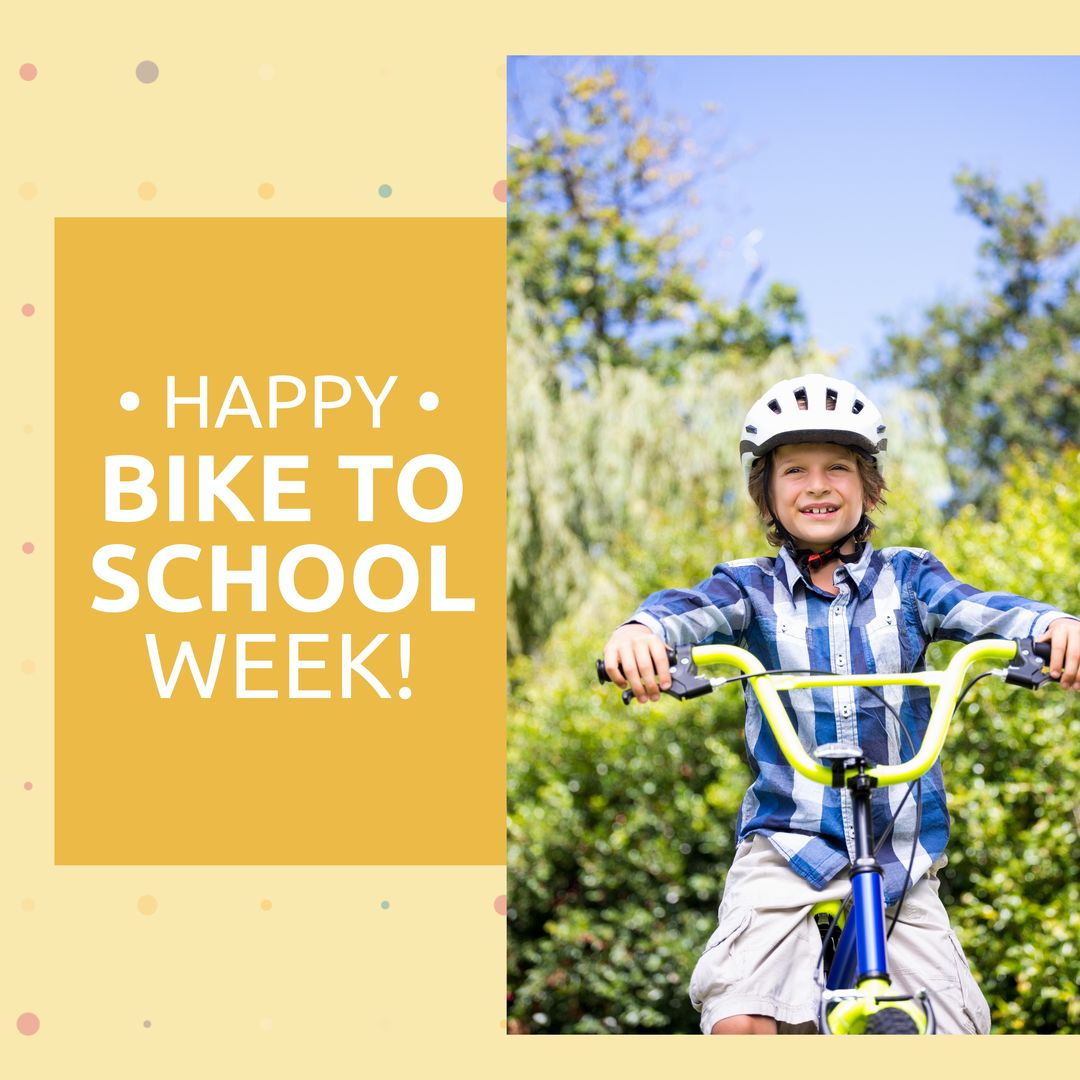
(604, 677)
(1042, 650)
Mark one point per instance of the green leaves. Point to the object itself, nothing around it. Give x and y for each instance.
(1004, 367)
(594, 236)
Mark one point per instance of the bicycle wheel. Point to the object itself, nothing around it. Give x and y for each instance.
(891, 1022)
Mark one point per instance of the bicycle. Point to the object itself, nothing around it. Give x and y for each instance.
(856, 998)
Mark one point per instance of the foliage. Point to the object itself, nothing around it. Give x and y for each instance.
(621, 818)
(1005, 367)
(596, 187)
(1013, 763)
(622, 460)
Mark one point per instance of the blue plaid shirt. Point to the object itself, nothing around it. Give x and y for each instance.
(892, 603)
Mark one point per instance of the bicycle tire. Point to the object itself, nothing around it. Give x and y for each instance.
(891, 1022)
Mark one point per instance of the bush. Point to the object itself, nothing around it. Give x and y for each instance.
(621, 820)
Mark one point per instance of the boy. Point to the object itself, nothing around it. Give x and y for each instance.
(829, 601)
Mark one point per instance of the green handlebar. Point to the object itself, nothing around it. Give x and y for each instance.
(768, 687)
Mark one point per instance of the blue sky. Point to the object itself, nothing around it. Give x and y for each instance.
(843, 166)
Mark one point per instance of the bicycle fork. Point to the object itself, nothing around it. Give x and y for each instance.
(858, 987)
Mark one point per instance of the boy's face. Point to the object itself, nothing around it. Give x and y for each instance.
(817, 476)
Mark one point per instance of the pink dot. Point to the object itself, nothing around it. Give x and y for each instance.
(28, 72)
(28, 548)
(29, 786)
(499, 191)
(28, 310)
(500, 904)
(28, 1024)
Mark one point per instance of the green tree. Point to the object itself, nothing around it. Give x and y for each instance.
(594, 237)
(1004, 368)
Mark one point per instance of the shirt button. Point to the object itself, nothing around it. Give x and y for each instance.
(845, 710)
(840, 660)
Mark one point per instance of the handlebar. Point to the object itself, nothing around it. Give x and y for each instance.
(1026, 661)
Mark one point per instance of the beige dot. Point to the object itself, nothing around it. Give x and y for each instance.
(267, 72)
(28, 667)
(147, 905)
(147, 191)
(28, 904)
(266, 1023)
(266, 191)
(28, 190)
(28, 428)
(266, 905)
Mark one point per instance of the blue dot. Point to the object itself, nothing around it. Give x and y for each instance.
(385, 904)
(385, 190)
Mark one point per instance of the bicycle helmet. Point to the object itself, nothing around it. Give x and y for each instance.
(811, 408)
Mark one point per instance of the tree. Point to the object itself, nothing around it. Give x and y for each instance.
(596, 187)
(1003, 368)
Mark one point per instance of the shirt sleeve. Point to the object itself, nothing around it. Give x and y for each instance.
(717, 611)
(953, 611)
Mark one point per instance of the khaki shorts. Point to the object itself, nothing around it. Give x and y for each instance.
(761, 958)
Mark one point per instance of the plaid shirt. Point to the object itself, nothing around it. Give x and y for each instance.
(892, 603)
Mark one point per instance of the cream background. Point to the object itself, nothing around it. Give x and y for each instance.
(326, 983)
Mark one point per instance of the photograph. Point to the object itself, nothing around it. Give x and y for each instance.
(793, 607)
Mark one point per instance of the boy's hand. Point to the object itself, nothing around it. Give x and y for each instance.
(643, 658)
(1064, 638)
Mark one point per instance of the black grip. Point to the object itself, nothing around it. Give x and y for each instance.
(1042, 650)
(603, 676)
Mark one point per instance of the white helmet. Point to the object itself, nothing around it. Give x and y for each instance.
(811, 408)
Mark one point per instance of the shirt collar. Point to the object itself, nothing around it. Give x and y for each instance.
(863, 573)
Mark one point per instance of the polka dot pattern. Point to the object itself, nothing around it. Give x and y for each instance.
(63, 77)
(500, 905)
(499, 191)
(28, 1024)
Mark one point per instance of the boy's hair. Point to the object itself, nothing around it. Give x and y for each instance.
(873, 485)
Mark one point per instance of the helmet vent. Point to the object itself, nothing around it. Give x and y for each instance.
(775, 406)
(800, 397)
(830, 400)
(881, 429)
(857, 407)
(750, 428)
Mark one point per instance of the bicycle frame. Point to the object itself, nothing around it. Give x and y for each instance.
(859, 984)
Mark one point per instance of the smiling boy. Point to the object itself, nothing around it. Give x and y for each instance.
(811, 448)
